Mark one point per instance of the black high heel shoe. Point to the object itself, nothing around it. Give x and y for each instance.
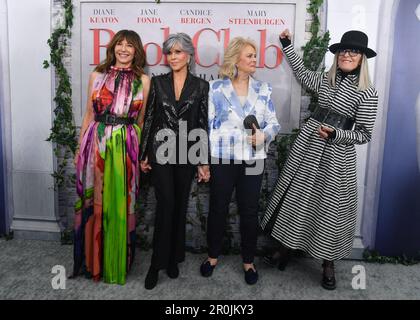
(271, 260)
(173, 270)
(283, 262)
(151, 278)
(328, 276)
(279, 258)
(206, 269)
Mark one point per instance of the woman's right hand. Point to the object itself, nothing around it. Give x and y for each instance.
(286, 34)
(145, 166)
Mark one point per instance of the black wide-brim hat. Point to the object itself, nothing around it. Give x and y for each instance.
(354, 40)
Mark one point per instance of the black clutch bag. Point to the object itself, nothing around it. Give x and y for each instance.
(249, 121)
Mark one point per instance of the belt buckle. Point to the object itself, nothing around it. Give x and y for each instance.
(110, 119)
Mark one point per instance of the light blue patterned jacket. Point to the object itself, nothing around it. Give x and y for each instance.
(226, 115)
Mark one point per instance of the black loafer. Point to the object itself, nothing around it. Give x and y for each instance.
(151, 278)
(206, 269)
(173, 271)
(251, 276)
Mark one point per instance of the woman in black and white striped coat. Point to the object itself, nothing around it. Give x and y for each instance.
(314, 204)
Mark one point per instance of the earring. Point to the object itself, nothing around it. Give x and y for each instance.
(235, 73)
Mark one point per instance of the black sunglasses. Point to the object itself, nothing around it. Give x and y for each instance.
(351, 52)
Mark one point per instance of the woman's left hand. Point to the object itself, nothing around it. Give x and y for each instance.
(325, 132)
(203, 173)
(257, 138)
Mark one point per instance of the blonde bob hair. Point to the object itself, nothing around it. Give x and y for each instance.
(363, 79)
(232, 54)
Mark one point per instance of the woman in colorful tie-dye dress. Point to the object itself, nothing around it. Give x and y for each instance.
(107, 163)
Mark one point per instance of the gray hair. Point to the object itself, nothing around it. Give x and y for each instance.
(184, 41)
(364, 81)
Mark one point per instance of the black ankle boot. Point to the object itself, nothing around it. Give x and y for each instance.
(172, 271)
(151, 278)
(328, 275)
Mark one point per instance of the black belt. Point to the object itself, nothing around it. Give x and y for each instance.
(111, 119)
(333, 118)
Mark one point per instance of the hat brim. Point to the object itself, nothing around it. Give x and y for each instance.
(367, 51)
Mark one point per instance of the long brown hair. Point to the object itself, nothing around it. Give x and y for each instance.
(139, 54)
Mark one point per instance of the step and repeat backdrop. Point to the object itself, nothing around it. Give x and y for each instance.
(210, 24)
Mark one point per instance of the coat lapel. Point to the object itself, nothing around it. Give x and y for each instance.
(232, 97)
(189, 87)
(253, 92)
(170, 93)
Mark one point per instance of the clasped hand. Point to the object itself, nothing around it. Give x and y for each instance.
(324, 132)
(257, 138)
(203, 173)
(145, 166)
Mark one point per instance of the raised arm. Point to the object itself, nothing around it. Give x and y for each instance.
(310, 79)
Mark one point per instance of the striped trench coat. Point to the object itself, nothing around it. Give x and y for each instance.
(314, 204)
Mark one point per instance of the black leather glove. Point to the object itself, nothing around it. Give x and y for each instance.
(332, 135)
(285, 42)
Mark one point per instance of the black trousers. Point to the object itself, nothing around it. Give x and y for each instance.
(172, 184)
(225, 178)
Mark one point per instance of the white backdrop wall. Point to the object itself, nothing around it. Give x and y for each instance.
(5, 113)
(34, 201)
